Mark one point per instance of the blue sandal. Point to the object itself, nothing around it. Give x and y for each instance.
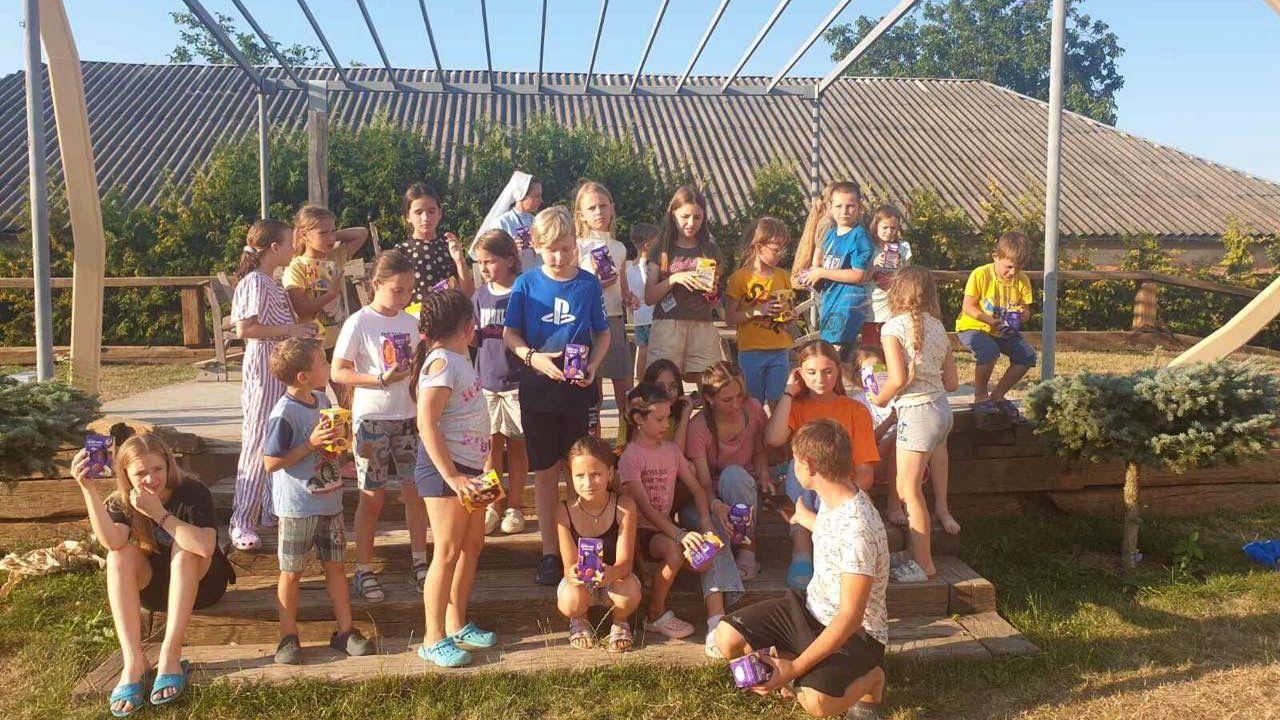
(473, 637)
(445, 654)
(130, 693)
(175, 681)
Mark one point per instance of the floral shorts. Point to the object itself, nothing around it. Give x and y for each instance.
(386, 451)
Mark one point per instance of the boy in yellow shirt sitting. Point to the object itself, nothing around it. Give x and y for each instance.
(997, 302)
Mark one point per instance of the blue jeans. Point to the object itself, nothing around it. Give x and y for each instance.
(796, 491)
(766, 373)
(735, 485)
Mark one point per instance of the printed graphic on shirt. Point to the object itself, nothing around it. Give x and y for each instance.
(559, 314)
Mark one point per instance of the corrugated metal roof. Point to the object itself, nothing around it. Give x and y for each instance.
(150, 122)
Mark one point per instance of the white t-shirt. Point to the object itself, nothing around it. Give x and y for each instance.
(881, 275)
(637, 274)
(465, 420)
(618, 253)
(849, 538)
(927, 384)
(360, 341)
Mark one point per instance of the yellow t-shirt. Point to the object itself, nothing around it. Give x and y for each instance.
(751, 291)
(317, 277)
(994, 296)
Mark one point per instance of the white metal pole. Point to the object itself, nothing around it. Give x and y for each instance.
(39, 195)
(1053, 171)
(264, 158)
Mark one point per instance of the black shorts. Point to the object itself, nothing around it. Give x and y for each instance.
(554, 415)
(786, 624)
(155, 596)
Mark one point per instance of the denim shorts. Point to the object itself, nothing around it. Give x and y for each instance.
(430, 482)
(987, 347)
(766, 373)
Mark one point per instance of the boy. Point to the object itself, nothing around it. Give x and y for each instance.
(997, 302)
(830, 643)
(549, 308)
(843, 263)
(642, 237)
(307, 492)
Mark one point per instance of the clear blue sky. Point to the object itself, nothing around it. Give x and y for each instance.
(1199, 76)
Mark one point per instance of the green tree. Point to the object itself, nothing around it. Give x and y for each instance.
(1005, 42)
(1181, 417)
(36, 419)
(195, 41)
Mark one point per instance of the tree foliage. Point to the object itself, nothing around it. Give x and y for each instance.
(36, 419)
(1005, 42)
(194, 41)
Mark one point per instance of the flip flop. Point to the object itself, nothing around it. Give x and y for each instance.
(1264, 552)
(130, 693)
(176, 681)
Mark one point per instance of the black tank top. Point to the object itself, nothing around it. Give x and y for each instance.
(609, 536)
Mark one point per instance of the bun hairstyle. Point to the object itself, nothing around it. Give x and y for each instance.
(309, 218)
(262, 234)
(443, 314)
(390, 263)
(640, 401)
(142, 529)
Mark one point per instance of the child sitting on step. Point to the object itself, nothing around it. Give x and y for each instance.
(649, 468)
(306, 491)
(830, 642)
(599, 513)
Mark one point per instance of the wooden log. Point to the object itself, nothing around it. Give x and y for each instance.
(1264, 471)
(29, 534)
(996, 634)
(1146, 307)
(969, 591)
(178, 441)
(317, 144)
(29, 500)
(1171, 501)
(194, 332)
(997, 475)
(161, 281)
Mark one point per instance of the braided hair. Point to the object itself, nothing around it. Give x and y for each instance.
(443, 314)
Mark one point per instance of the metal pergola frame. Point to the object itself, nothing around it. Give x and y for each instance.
(318, 91)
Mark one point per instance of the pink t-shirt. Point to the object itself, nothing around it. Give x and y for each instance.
(656, 470)
(738, 450)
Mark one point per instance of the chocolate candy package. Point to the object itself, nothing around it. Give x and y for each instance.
(440, 286)
(751, 670)
(523, 238)
(1011, 320)
(605, 269)
(701, 557)
(338, 418)
(396, 351)
(575, 361)
(590, 561)
(740, 523)
(786, 305)
(98, 450)
(706, 270)
(874, 377)
(489, 491)
(892, 256)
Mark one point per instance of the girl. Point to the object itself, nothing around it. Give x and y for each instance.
(262, 314)
(435, 260)
(593, 218)
(891, 253)
(454, 427)
(386, 436)
(758, 301)
(513, 213)
(815, 390)
(499, 370)
(642, 238)
(666, 375)
(599, 512)
(922, 371)
(684, 297)
(314, 279)
(160, 533)
(649, 468)
(726, 446)
(815, 228)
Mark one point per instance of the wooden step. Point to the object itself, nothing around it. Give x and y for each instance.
(508, 599)
(976, 637)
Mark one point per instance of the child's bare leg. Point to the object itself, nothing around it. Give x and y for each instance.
(625, 596)
(1008, 380)
(939, 469)
(642, 362)
(670, 560)
(517, 473)
(287, 591)
(448, 521)
(127, 572)
(887, 470)
(415, 517)
(982, 381)
(185, 571)
(910, 475)
(730, 642)
(367, 513)
(496, 463)
(464, 574)
(546, 493)
(573, 600)
(335, 583)
(821, 705)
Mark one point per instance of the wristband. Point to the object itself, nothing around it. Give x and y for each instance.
(164, 517)
(382, 380)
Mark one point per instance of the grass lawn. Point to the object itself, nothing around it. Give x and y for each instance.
(121, 379)
(1196, 643)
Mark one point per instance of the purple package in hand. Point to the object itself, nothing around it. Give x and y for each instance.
(700, 559)
(751, 670)
(575, 361)
(740, 523)
(98, 450)
(523, 238)
(1012, 320)
(396, 351)
(440, 286)
(590, 561)
(605, 269)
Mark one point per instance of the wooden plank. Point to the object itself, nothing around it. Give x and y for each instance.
(160, 281)
(984, 505)
(969, 591)
(1238, 330)
(26, 355)
(220, 335)
(178, 441)
(45, 499)
(931, 639)
(1146, 307)
(996, 475)
(317, 144)
(996, 634)
(194, 332)
(1263, 471)
(1173, 501)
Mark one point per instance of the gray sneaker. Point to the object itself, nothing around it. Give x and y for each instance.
(908, 572)
(352, 642)
(289, 651)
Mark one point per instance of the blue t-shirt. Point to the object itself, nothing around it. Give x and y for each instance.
(550, 314)
(289, 425)
(841, 302)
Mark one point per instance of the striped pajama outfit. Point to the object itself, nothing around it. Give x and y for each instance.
(256, 295)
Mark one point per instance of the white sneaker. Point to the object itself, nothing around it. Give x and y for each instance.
(710, 647)
(908, 572)
(491, 520)
(513, 521)
(670, 625)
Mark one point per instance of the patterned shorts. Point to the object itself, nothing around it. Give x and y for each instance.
(297, 536)
(386, 451)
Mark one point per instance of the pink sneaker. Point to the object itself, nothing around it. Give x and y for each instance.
(670, 625)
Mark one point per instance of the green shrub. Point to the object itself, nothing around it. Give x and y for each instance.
(36, 419)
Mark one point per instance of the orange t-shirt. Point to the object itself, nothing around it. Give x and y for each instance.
(851, 415)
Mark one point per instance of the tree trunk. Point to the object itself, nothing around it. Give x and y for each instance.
(1129, 549)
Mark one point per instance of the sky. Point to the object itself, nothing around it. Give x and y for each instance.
(1202, 81)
